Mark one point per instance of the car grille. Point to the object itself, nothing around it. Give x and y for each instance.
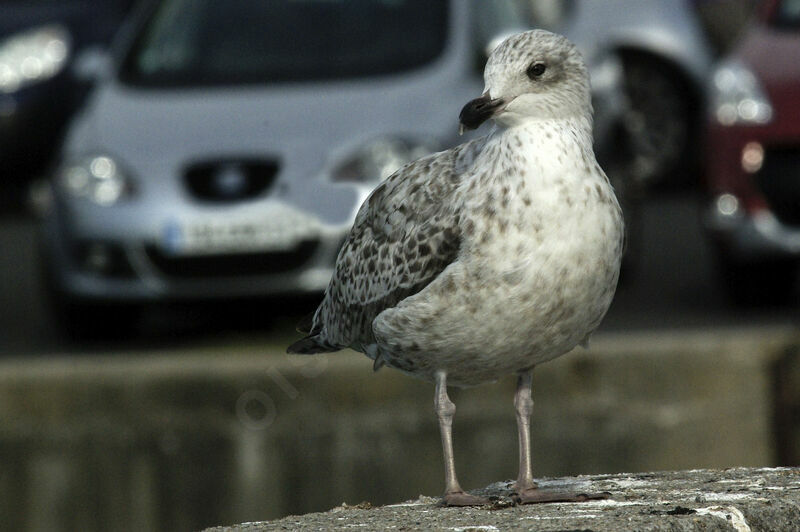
(231, 265)
(230, 180)
(779, 181)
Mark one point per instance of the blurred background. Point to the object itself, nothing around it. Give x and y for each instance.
(177, 177)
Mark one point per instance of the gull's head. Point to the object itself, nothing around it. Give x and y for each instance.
(534, 74)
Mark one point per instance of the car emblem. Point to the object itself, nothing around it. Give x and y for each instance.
(229, 181)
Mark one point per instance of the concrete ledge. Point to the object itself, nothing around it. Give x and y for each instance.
(740, 499)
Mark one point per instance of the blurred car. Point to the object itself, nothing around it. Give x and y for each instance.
(752, 157)
(38, 41)
(226, 146)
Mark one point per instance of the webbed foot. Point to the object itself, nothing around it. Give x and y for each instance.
(462, 498)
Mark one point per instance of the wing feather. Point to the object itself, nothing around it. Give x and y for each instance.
(404, 235)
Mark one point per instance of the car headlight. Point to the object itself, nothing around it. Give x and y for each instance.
(736, 96)
(32, 56)
(98, 178)
(379, 159)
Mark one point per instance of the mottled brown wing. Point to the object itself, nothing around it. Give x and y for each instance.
(404, 235)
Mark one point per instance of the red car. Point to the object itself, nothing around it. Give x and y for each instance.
(752, 157)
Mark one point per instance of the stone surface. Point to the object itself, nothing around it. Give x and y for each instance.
(739, 499)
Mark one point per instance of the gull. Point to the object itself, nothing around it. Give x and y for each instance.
(489, 258)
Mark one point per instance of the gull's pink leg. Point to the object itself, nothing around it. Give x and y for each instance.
(445, 410)
(526, 489)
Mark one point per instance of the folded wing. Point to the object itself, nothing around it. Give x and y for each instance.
(404, 235)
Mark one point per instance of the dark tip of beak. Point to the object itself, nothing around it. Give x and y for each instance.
(478, 111)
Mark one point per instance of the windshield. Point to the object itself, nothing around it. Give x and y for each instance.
(228, 42)
(788, 14)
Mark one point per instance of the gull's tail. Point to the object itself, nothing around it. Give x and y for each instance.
(311, 345)
(315, 342)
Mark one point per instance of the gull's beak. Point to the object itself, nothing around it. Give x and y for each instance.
(478, 111)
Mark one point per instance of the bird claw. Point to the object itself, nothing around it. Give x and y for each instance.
(538, 496)
(461, 498)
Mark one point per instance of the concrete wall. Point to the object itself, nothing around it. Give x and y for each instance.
(179, 441)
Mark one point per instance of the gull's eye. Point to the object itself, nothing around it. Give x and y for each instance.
(536, 70)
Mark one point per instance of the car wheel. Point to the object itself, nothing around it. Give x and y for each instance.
(80, 320)
(659, 120)
(613, 156)
(759, 282)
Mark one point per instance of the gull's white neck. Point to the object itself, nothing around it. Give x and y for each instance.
(568, 133)
(580, 124)
(548, 147)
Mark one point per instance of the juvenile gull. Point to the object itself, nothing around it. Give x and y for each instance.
(489, 258)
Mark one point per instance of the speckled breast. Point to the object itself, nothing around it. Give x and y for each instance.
(534, 279)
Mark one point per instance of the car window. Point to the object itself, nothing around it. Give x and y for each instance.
(213, 42)
(18, 3)
(788, 14)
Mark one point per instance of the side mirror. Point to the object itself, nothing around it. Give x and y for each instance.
(91, 65)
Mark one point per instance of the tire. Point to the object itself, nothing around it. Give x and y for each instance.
(80, 320)
(758, 283)
(613, 156)
(659, 122)
(88, 321)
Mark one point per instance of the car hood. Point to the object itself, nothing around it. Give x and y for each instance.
(182, 125)
(307, 129)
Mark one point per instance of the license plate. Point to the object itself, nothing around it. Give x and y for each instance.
(216, 237)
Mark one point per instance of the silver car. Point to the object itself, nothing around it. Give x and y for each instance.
(227, 145)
